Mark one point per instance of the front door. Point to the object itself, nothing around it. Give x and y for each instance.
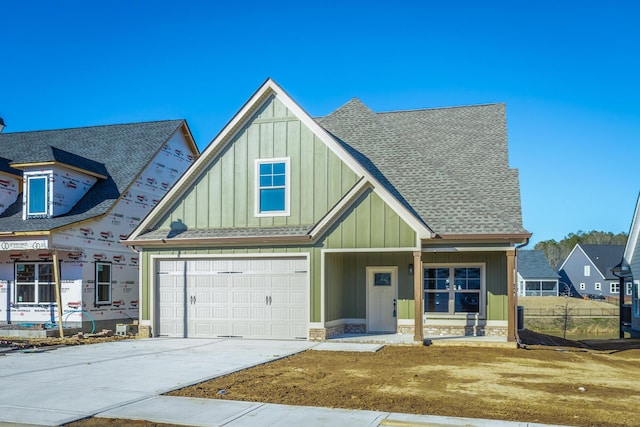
(382, 294)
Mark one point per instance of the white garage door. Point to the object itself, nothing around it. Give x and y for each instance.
(243, 297)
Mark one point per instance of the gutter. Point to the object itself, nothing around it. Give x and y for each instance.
(515, 282)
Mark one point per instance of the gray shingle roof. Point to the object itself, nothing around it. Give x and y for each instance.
(533, 264)
(604, 257)
(227, 233)
(447, 165)
(119, 152)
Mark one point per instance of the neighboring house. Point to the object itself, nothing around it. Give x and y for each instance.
(294, 227)
(631, 259)
(535, 276)
(67, 197)
(587, 269)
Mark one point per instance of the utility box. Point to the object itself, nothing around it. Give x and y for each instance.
(122, 329)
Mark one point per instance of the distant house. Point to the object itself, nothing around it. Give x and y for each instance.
(535, 275)
(300, 228)
(587, 270)
(67, 198)
(632, 259)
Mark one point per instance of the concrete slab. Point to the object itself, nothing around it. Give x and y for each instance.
(183, 410)
(285, 416)
(411, 420)
(76, 382)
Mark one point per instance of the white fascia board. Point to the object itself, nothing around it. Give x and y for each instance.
(340, 207)
(208, 156)
(230, 130)
(569, 256)
(634, 235)
(338, 150)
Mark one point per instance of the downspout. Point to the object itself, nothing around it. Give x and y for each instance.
(515, 282)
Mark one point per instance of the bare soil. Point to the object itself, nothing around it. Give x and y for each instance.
(552, 381)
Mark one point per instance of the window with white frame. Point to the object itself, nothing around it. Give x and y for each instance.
(598, 286)
(587, 270)
(454, 289)
(629, 288)
(583, 286)
(614, 288)
(272, 187)
(34, 283)
(103, 283)
(37, 195)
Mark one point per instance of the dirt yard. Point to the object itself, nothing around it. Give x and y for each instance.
(564, 383)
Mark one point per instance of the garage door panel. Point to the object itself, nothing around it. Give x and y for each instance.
(250, 297)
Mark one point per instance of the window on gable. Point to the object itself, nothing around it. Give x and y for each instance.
(272, 187)
(587, 270)
(103, 283)
(598, 286)
(37, 195)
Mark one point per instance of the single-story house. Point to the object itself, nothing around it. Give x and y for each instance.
(67, 197)
(587, 271)
(535, 275)
(290, 226)
(631, 262)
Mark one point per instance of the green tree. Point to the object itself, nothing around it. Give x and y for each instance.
(557, 252)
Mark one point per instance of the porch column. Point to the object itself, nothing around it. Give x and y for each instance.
(418, 293)
(58, 284)
(511, 297)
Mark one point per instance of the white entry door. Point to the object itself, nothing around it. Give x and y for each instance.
(382, 297)
(244, 297)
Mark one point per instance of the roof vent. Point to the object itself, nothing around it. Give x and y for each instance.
(1, 124)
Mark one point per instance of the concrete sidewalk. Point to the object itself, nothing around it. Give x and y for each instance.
(125, 379)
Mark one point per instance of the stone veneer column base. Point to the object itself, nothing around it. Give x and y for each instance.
(468, 331)
(323, 334)
(144, 331)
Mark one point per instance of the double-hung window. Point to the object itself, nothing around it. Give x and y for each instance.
(37, 195)
(614, 288)
(34, 283)
(103, 283)
(454, 289)
(272, 187)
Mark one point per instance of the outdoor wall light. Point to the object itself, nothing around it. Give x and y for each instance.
(410, 269)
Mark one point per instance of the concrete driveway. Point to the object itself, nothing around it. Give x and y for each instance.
(124, 379)
(63, 385)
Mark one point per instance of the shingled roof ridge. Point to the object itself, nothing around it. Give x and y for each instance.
(452, 107)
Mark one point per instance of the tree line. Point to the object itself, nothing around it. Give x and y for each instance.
(557, 252)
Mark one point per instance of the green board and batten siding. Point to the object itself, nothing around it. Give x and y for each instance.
(223, 196)
(366, 214)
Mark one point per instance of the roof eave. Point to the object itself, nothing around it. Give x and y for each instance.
(252, 240)
(498, 236)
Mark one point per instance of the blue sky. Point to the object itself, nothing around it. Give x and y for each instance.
(567, 71)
